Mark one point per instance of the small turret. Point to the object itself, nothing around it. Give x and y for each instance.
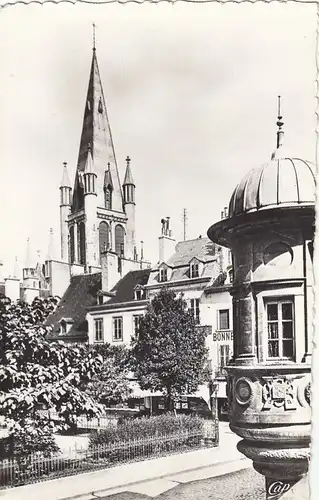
(65, 208)
(129, 208)
(89, 175)
(128, 184)
(88, 241)
(65, 187)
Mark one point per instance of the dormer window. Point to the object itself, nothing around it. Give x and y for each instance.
(163, 274)
(65, 325)
(139, 293)
(194, 269)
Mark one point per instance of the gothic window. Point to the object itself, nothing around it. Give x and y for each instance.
(104, 236)
(72, 252)
(119, 240)
(195, 310)
(81, 243)
(280, 328)
(108, 198)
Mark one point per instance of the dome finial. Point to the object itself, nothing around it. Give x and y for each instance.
(280, 132)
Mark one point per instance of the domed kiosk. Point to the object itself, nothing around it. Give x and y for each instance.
(270, 230)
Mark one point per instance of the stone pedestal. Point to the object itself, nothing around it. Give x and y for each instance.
(270, 410)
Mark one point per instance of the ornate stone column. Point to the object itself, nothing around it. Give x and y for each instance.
(268, 387)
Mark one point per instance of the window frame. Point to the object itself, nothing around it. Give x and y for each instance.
(194, 264)
(279, 301)
(135, 317)
(219, 328)
(115, 336)
(99, 321)
(224, 355)
(194, 306)
(163, 275)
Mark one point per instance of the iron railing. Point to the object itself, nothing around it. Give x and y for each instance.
(33, 468)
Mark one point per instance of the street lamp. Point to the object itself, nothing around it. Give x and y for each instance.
(270, 230)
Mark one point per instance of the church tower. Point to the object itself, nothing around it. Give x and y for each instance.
(129, 207)
(98, 218)
(65, 207)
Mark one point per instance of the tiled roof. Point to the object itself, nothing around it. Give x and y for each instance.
(124, 289)
(202, 248)
(80, 294)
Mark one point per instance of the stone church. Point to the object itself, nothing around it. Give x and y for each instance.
(97, 213)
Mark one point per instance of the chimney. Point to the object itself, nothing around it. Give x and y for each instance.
(166, 241)
(109, 270)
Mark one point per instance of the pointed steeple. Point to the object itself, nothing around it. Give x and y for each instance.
(96, 131)
(89, 174)
(65, 187)
(89, 167)
(128, 179)
(128, 185)
(108, 178)
(65, 181)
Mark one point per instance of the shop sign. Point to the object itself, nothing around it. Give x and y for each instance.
(223, 336)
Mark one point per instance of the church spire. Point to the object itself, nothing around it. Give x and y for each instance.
(128, 184)
(96, 131)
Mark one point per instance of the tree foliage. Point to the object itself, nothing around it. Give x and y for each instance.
(169, 353)
(36, 374)
(110, 386)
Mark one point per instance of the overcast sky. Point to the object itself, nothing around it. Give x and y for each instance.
(191, 92)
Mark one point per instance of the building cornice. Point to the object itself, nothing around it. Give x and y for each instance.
(218, 289)
(131, 305)
(187, 282)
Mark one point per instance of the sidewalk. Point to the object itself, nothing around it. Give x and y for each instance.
(190, 466)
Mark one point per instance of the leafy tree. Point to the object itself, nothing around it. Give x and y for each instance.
(36, 374)
(110, 386)
(169, 353)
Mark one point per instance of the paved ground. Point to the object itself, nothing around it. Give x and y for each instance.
(242, 485)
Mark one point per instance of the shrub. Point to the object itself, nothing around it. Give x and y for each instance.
(144, 427)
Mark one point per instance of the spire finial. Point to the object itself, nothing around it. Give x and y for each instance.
(280, 132)
(94, 28)
(128, 160)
